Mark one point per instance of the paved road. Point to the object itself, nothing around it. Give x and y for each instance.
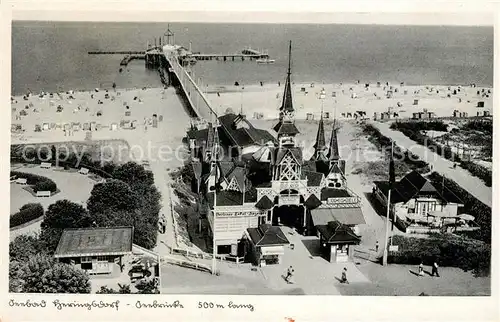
(462, 177)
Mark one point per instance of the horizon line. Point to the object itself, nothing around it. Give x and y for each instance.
(262, 17)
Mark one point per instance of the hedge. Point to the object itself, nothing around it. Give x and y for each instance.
(447, 250)
(27, 213)
(45, 185)
(383, 142)
(39, 183)
(412, 131)
(102, 169)
(479, 171)
(472, 206)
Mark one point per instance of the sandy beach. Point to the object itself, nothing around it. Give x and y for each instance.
(349, 98)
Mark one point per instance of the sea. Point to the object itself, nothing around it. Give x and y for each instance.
(53, 56)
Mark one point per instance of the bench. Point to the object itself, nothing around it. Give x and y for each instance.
(43, 193)
(22, 181)
(45, 165)
(84, 171)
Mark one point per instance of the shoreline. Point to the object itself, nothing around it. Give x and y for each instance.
(228, 87)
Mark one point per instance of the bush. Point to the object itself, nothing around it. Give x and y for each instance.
(472, 206)
(26, 214)
(479, 171)
(383, 143)
(45, 185)
(447, 250)
(417, 126)
(39, 183)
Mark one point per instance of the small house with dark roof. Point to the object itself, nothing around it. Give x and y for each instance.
(336, 241)
(99, 251)
(265, 244)
(415, 199)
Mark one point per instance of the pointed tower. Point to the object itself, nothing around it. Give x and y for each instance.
(333, 153)
(213, 157)
(336, 172)
(287, 160)
(286, 128)
(320, 148)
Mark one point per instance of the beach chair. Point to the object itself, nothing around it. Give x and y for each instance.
(43, 194)
(45, 165)
(83, 171)
(21, 181)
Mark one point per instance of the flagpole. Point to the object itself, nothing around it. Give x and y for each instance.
(384, 259)
(214, 247)
(389, 198)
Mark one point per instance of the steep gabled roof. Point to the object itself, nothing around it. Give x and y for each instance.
(267, 235)
(334, 193)
(335, 233)
(287, 103)
(286, 128)
(243, 136)
(225, 198)
(296, 153)
(313, 178)
(197, 169)
(333, 153)
(320, 136)
(237, 173)
(312, 202)
(264, 203)
(412, 184)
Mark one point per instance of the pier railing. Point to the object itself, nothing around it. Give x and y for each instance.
(194, 94)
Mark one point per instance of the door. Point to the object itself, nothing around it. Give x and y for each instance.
(424, 208)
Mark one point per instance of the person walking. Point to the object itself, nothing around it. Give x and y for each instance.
(288, 273)
(344, 276)
(435, 269)
(376, 247)
(421, 269)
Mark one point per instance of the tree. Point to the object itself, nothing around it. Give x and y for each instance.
(133, 174)
(106, 290)
(42, 274)
(115, 218)
(23, 247)
(112, 195)
(59, 216)
(53, 152)
(148, 286)
(15, 284)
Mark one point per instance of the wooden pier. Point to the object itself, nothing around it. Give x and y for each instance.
(127, 52)
(127, 59)
(225, 57)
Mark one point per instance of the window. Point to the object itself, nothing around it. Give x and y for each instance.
(86, 259)
(342, 249)
(102, 258)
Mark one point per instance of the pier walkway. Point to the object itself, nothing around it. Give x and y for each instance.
(192, 92)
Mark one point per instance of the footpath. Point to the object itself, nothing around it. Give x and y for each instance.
(462, 177)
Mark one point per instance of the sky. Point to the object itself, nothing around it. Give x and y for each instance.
(416, 12)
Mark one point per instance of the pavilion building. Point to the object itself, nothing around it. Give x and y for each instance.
(252, 182)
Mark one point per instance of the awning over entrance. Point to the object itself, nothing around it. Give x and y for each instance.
(346, 216)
